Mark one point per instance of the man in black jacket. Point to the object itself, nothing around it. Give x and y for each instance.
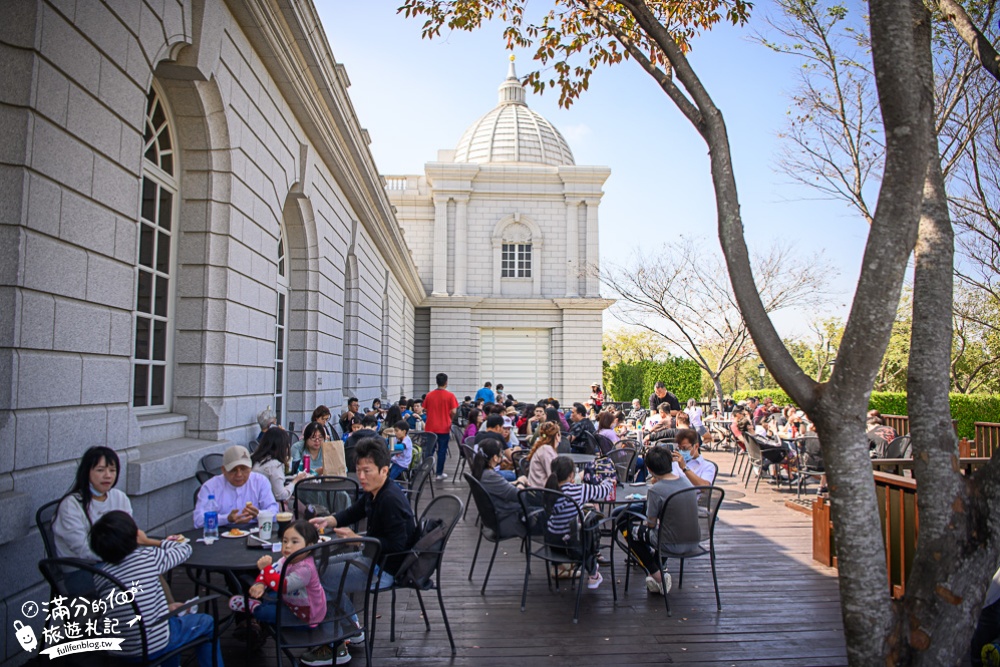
(661, 395)
(390, 521)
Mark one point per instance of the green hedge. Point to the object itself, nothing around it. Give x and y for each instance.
(966, 409)
(625, 381)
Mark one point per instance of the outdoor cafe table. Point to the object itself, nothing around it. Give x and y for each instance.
(581, 459)
(229, 557)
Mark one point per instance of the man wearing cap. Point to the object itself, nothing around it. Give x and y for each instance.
(492, 429)
(239, 494)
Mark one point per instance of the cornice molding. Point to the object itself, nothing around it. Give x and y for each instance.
(290, 40)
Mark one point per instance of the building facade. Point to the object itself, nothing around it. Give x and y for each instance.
(193, 228)
(504, 232)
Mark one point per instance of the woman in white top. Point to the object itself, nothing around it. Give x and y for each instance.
(694, 412)
(92, 496)
(270, 458)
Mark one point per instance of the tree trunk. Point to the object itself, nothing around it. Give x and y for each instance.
(950, 569)
(717, 381)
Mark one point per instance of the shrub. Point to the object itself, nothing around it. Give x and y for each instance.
(625, 381)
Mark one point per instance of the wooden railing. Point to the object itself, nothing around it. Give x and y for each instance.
(904, 467)
(901, 423)
(897, 506)
(987, 439)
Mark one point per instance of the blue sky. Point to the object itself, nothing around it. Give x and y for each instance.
(417, 96)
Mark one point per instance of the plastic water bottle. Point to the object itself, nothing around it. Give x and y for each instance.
(211, 520)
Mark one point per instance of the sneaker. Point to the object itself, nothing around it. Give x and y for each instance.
(595, 580)
(443, 476)
(317, 657)
(343, 657)
(667, 583)
(653, 586)
(357, 639)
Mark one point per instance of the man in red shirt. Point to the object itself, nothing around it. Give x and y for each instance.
(440, 406)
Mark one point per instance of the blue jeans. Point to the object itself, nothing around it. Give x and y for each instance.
(269, 609)
(353, 583)
(395, 470)
(508, 475)
(443, 440)
(184, 629)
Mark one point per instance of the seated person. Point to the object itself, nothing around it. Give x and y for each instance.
(321, 415)
(558, 529)
(115, 539)
(366, 429)
(348, 415)
(401, 458)
(580, 425)
(637, 415)
(239, 493)
(509, 434)
(266, 419)
(270, 459)
(644, 541)
(485, 468)
(416, 416)
(542, 453)
(492, 431)
(688, 462)
(879, 435)
(314, 435)
(92, 496)
(390, 521)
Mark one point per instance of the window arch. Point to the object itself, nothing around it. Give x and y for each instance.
(281, 332)
(152, 351)
(517, 241)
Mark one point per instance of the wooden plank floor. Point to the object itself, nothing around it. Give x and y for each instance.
(778, 606)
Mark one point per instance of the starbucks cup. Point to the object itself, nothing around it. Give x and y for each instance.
(265, 520)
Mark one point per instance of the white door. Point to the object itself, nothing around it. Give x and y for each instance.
(519, 359)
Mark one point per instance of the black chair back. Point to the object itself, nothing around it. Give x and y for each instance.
(446, 509)
(203, 476)
(73, 578)
(484, 503)
(623, 459)
(44, 517)
(326, 494)
(345, 567)
(678, 527)
(212, 463)
(900, 448)
(419, 478)
(426, 441)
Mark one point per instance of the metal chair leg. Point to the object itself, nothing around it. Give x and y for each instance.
(496, 546)
(715, 579)
(527, 571)
(423, 610)
(475, 555)
(444, 614)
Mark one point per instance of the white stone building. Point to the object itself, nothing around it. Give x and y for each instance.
(191, 228)
(504, 233)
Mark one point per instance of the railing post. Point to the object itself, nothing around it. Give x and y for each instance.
(821, 532)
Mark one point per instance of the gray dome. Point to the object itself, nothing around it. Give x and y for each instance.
(512, 132)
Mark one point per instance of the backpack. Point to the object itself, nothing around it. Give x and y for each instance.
(812, 456)
(417, 457)
(598, 471)
(418, 565)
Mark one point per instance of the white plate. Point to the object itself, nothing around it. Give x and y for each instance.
(325, 538)
(227, 536)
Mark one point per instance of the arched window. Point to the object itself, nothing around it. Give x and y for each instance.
(281, 333)
(516, 244)
(152, 353)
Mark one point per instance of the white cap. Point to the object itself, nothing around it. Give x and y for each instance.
(508, 422)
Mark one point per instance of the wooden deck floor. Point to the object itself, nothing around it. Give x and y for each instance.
(779, 607)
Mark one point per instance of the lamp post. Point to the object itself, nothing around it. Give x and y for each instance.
(762, 370)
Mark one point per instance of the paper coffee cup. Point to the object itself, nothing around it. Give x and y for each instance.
(265, 520)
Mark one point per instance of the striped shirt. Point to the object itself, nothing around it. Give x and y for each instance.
(564, 512)
(142, 568)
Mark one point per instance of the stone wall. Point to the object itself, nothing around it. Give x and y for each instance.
(252, 159)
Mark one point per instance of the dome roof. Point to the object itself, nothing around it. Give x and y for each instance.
(512, 132)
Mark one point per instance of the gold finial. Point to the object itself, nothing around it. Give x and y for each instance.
(512, 57)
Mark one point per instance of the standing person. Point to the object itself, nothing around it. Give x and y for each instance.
(695, 414)
(596, 396)
(661, 395)
(485, 393)
(440, 406)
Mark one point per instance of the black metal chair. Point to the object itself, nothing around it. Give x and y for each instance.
(202, 476)
(538, 506)
(251, 445)
(212, 463)
(73, 577)
(672, 530)
(468, 456)
(446, 510)
(44, 517)
(420, 477)
(490, 526)
(810, 460)
(900, 448)
(326, 494)
(343, 565)
(624, 461)
(426, 441)
(463, 459)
